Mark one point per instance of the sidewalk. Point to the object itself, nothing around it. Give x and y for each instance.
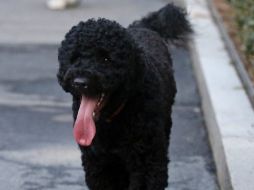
(37, 150)
(227, 110)
(30, 21)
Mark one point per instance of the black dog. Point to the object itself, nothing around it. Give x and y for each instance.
(123, 89)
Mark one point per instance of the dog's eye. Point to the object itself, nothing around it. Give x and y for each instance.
(103, 55)
(106, 59)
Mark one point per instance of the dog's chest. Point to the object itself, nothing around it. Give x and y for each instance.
(113, 136)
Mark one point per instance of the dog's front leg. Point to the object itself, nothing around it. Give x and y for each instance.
(137, 174)
(156, 170)
(156, 159)
(151, 173)
(150, 159)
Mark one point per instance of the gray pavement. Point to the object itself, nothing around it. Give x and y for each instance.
(30, 21)
(37, 150)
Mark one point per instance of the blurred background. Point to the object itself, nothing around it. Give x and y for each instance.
(31, 21)
(37, 150)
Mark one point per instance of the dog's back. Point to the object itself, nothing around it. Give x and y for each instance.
(158, 60)
(151, 33)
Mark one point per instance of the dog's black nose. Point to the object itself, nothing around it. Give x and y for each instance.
(81, 82)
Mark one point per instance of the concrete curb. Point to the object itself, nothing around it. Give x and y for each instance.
(228, 112)
(243, 74)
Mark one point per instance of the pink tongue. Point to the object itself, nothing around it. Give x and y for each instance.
(84, 127)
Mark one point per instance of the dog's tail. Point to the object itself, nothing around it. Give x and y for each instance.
(170, 22)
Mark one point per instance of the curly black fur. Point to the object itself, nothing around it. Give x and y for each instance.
(132, 66)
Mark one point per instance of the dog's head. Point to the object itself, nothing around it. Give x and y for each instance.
(98, 63)
(96, 57)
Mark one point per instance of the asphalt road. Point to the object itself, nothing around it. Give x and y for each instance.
(37, 150)
(30, 21)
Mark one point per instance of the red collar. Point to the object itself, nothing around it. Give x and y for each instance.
(118, 110)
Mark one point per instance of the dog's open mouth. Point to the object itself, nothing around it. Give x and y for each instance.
(99, 106)
(84, 127)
